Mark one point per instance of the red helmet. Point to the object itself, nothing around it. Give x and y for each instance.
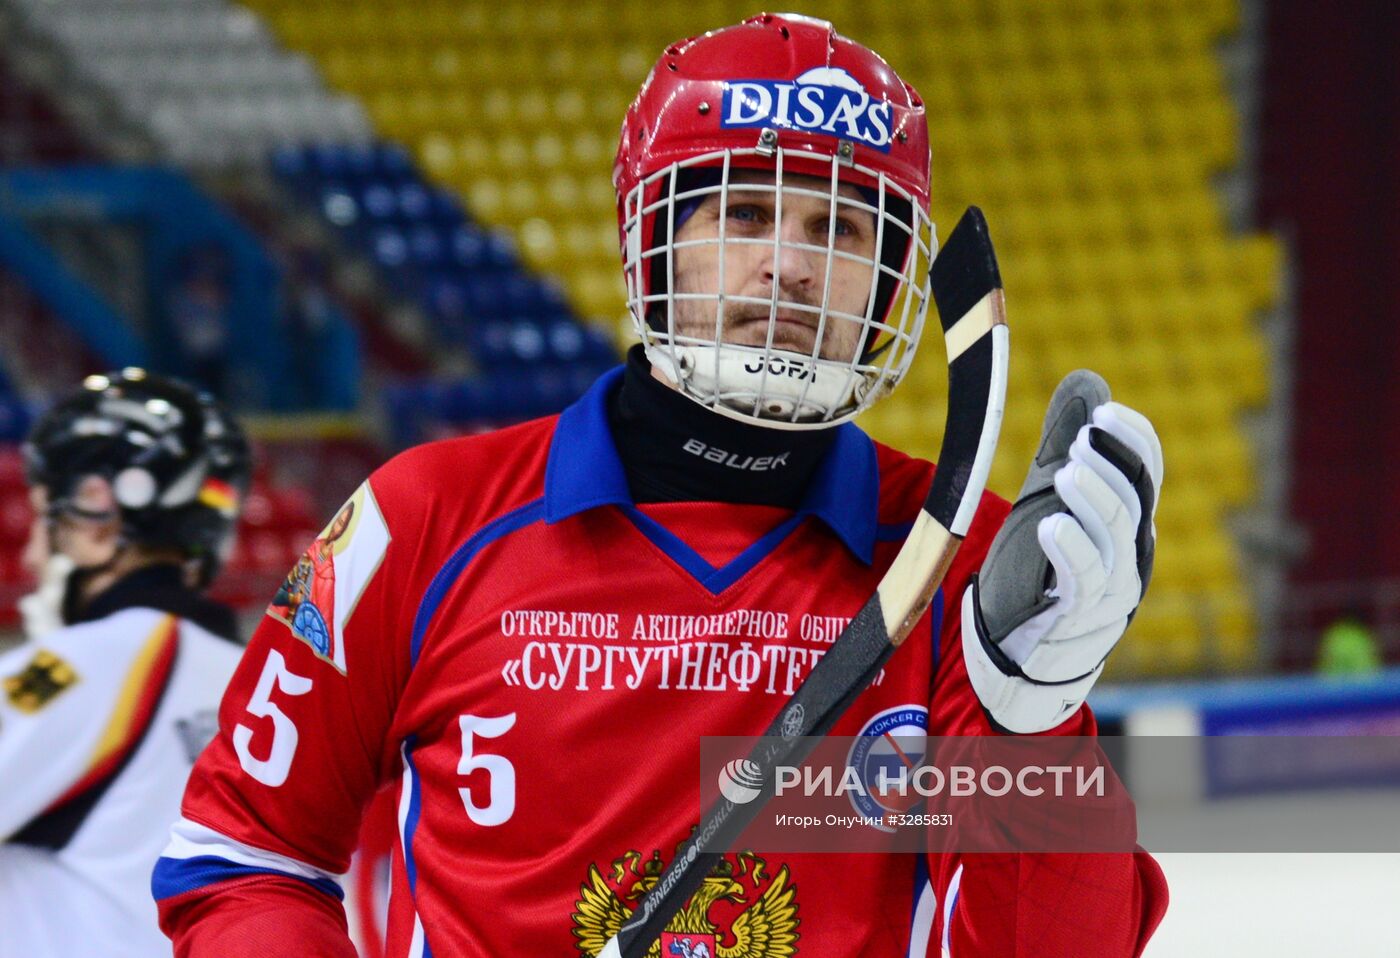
(789, 96)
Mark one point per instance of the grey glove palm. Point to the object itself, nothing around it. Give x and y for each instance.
(1066, 572)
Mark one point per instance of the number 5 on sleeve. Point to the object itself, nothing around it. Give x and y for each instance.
(273, 770)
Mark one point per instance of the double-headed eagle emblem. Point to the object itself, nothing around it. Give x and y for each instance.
(764, 927)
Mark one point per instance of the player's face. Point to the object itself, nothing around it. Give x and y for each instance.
(87, 541)
(749, 267)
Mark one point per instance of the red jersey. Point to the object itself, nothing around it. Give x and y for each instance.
(530, 658)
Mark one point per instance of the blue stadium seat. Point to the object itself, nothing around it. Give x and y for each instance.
(599, 351)
(527, 342)
(446, 207)
(339, 205)
(329, 161)
(378, 201)
(289, 162)
(566, 340)
(394, 162)
(469, 248)
(414, 202)
(446, 297)
(425, 243)
(390, 247)
(485, 294)
(500, 250)
(522, 295)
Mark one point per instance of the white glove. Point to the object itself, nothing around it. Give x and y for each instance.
(1071, 563)
(41, 611)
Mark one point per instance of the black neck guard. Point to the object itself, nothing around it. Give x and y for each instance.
(152, 587)
(675, 450)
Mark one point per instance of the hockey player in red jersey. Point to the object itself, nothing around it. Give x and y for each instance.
(533, 628)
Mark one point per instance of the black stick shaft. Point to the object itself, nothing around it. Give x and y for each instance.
(842, 674)
(966, 285)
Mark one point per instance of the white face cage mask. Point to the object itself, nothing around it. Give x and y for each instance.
(805, 350)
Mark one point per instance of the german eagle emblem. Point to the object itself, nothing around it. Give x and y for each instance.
(739, 912)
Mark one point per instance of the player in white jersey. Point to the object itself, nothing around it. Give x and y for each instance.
(136, 482)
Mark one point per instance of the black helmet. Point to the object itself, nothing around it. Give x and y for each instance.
(178, 463)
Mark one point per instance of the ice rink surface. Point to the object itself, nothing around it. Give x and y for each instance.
(1285, 905)
(1275, 905)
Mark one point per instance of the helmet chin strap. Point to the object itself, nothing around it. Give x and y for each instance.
(771, 387)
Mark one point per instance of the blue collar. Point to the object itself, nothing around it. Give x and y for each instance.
(584, 472)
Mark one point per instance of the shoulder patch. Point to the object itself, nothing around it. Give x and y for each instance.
(320, 593)
(39, 683)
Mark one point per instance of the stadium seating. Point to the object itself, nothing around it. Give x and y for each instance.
(202, 77)
(1089, 130)
(38, 355)
(467, 278)
(37, 352)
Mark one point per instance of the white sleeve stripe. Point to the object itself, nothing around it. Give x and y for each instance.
(418, 943)
(950, 901)
(191, 840)
(921, 930)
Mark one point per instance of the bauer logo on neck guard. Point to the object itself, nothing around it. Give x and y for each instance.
(823, 100)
